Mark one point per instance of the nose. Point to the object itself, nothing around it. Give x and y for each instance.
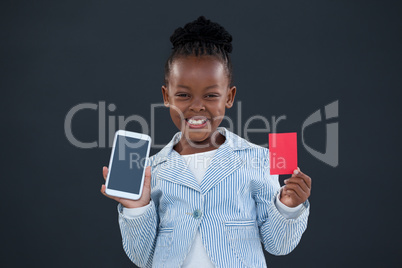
(197, 105)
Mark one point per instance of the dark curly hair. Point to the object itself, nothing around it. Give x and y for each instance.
(201, 37)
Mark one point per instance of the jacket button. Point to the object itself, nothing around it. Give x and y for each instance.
(197, 214)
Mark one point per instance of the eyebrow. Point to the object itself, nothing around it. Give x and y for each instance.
(209, 87)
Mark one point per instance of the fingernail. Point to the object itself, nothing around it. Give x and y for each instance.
(298, 168)
(285, 181)
(296, 171)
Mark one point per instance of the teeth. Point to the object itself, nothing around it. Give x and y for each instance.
(196, 122)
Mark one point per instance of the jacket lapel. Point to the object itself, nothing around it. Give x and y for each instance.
(175, 170)
(172, 166)
(224, 163)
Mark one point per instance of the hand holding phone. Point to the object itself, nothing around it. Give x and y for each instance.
(128, 203)
(125, 177)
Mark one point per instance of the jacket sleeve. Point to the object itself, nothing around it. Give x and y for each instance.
(278, 234)
(139, 235)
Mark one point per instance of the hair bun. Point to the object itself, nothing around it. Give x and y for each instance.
(202, 30)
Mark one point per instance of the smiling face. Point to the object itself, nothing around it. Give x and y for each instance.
(197, 96)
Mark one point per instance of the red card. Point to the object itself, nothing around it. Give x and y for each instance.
(282, 153)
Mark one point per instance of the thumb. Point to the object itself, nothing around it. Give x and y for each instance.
(296, 171)
(147, 179)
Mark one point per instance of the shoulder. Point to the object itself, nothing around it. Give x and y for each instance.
(165, 152)
(157, 158)
(246, 148)
(239, 143)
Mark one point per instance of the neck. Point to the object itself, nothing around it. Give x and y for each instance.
(184, 147)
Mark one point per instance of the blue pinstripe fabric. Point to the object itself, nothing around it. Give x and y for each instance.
(235, 203)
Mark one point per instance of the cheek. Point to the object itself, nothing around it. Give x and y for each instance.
(176, 113)
(219, 113)
(221, 108)
(173, 113)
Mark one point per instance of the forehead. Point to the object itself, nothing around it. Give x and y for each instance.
(202, 70)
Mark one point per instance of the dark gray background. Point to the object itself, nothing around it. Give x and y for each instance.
(290, 58)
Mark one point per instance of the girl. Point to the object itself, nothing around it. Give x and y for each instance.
(209, 199)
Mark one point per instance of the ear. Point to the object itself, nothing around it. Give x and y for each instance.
(165, 93)
(230, 97)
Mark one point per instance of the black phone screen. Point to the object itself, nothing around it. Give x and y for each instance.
(128, 164)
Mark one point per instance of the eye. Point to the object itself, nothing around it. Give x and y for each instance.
(212, 96)
(182, 95)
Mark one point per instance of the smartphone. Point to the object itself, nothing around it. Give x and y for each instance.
(129, 156)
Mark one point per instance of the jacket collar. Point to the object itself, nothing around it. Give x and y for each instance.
(232, 140)
(224, 162)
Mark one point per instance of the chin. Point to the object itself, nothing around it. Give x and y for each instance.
(197, 137)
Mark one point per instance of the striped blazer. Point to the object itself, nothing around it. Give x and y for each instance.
(233, 208)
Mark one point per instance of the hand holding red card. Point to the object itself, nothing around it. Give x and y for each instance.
(283, 160)
(282, 153)
(297, 189)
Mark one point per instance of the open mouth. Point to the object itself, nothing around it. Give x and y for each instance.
(197, 122)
